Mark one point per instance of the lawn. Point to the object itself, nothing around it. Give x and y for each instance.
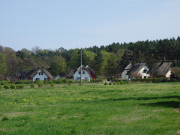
(130, 109)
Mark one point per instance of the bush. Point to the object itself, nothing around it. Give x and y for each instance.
(4, 118)
(21, 86)
(4, 82)
(32, 85)
(69, 82)
(13, 86)
(6, 86)
(114, 83)
(52, 84)
(24, 82)
(105, 83)
(40, 83)
(110, 83)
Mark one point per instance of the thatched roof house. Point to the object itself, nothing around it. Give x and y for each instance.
(87, 73)
(35, 74)
(162, 69)
(138, 70)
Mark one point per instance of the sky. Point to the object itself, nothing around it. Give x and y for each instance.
(51, 24)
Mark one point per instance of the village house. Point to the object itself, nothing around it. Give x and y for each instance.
(161, 69)
(36, 74)
(87, 73)
(138, 70)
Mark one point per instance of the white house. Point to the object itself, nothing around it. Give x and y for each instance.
(36, 74)
(138, 70)
(87, 73)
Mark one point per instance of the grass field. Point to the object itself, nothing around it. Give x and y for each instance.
(131, 109)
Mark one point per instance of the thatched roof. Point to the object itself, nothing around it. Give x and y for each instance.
(39, 70)
(161, 68)
(129, 66)
(71, 73)
(136, 68)
(87, 68)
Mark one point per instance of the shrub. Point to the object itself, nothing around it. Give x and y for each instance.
(105, 83)
(110, 83)
(52, 84)
(114, 83)
(21, 86)
(13, 86)
(32, 85)
(40, 83)
(4, 82)
(69, 82)
(4, 118)
(6, 86)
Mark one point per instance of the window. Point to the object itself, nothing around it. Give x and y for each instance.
(79, 72)
(144, 76)
(37, 78)
(83, 72)
(39, 73)
(145, 71)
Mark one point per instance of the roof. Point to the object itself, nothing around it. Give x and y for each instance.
(136, 68)
(129, 66)
(71, 73)
(161, 68)
(33, 72)
(87, 68)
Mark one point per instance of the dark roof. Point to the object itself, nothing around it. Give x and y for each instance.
(71, 73)
(136, 68)
(161, 68)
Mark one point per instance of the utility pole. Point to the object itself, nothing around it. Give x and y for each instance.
(81, 67)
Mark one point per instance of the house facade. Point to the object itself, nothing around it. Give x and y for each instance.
(87, 73)
(138, 70)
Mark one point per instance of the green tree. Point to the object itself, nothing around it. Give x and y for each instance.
(3, 67)
(58, 65)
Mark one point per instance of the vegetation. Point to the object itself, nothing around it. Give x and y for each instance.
(106, 60)
(138, 109)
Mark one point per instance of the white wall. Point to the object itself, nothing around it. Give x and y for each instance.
(42, 76)
(168, 75)
(144, 74)
(85, 76)
(124, 76)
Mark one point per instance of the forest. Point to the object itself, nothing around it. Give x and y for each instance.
(106, 60)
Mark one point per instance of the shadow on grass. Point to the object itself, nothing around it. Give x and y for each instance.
(142, 98)
(171, 104)
(167, 104)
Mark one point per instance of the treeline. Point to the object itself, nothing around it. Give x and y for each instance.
(107, 60)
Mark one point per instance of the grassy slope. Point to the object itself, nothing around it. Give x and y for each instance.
(134, 109)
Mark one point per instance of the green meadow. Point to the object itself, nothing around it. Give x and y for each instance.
(129, 109)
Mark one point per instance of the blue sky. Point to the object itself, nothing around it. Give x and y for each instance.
(51, 24)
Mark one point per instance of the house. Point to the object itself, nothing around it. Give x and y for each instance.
(138, 70)
(36, 74)
(161, 69)
(87, 73)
